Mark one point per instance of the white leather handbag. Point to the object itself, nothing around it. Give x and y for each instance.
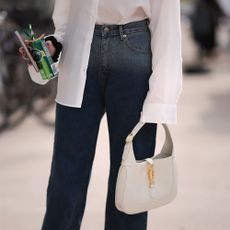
(149, 183)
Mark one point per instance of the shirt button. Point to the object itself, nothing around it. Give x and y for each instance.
(106, 29)
(124, 35)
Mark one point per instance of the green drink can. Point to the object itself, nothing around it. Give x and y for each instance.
(43, 59)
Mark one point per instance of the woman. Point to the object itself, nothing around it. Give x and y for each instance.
(119, 57)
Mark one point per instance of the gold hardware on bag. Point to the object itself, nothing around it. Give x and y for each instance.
(150, 174)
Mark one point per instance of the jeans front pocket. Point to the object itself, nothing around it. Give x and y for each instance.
(139, 41)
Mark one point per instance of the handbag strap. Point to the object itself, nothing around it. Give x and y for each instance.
(167, 148)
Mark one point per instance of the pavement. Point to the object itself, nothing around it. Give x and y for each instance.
(202, 149)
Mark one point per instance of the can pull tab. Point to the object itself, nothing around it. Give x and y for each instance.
(150, 172)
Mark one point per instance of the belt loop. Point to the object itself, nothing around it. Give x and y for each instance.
(121, 32)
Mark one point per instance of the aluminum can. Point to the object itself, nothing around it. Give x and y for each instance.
(43, 59)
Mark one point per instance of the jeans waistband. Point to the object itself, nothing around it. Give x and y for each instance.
(116, 29)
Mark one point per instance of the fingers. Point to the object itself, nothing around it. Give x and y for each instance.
(28, 43)
(23, 53)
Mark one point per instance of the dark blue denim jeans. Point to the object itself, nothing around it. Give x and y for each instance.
(119, 68)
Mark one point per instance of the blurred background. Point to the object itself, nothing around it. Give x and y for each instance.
(202, 136)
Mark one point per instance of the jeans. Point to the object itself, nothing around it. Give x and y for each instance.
(119, 68)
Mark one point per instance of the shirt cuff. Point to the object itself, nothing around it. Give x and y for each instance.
(159, 113)
(36, 76)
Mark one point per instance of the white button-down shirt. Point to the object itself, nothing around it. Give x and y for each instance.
(74, 26)
(114, 12)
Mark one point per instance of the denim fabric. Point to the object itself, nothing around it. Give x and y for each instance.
(117, 82)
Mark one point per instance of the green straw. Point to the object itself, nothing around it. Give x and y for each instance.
(31, 32)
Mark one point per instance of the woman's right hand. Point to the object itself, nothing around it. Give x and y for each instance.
(49, 45)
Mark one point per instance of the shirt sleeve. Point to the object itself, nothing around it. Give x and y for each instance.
(60, 18)
(165, 82)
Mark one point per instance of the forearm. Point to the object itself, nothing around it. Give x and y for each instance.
(165, 82)
(60, 18)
